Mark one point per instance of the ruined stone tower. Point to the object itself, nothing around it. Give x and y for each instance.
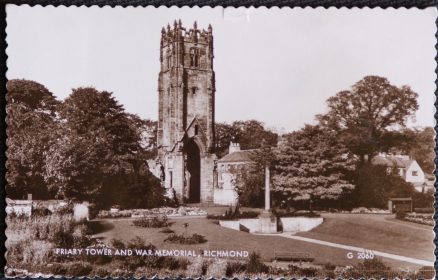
(186, 88)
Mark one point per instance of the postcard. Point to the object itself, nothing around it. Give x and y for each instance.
(220, 142)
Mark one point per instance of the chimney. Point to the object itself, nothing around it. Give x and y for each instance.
(234, 147)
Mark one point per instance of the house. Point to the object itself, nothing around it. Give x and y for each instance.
(224, 191)
(407, 168)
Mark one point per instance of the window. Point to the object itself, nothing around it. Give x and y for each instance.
(193, 57)
(194, 90)
(168, 62)
(414, 173)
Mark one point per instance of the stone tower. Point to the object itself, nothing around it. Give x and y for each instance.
(186, 88)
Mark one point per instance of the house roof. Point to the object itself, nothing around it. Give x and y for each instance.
(239, 156)
(392, 161)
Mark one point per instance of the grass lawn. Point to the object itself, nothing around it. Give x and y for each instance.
(377, 232)
(220, 238)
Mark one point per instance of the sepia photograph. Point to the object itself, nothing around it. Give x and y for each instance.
(220, 142)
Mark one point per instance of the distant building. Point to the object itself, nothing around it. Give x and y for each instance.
(407, 168)
(224, 191)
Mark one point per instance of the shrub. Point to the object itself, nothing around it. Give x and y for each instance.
(33, 253)
(329, 266)
(308, 271)
(79, 269)
(166, 230)
(100, 272)
(217, 268)
(197, 268)
(287, 214)
(373, 264)
(62, 239)
(400, 215)
(81, 237)
(255, 265)
(428, 210)
(234, 215)
(155, 222)
(182, 239)
(58, 269)
(133, 262)
(233, 268)
(117, 244)
(170, 263)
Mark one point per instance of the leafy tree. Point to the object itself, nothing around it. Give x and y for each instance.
(362, 115)
(249, 134)
(224, 135)
(147, 129)
(31, 117)
(249, 179)
(422, 148)
(133, 190)
(99, 145)
(418, 143)
(311, 164)
(375, 185)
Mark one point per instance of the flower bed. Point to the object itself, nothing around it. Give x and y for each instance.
(369, 211)
(182, 239)
(424, 219)
(154, 222)
(164, 211)
(230, 216)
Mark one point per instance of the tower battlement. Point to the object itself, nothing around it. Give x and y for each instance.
(190, 35)
(186, 47)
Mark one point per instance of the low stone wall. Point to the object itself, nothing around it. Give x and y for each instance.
(292, 224)
(247, 225)
(296, 224)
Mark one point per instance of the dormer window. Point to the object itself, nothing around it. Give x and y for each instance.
(194, 57)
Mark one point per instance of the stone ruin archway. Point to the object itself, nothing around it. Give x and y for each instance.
(193, 154)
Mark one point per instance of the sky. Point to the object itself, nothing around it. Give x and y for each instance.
(274, 65)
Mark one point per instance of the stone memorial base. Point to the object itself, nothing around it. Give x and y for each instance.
(268, 222)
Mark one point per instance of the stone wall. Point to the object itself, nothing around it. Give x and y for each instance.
(297, 224)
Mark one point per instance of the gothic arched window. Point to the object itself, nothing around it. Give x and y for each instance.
(194, 57)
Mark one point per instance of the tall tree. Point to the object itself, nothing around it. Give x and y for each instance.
(362, 115)
(311, 164)
(97, 140)
(249, 134)
(31, 117)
